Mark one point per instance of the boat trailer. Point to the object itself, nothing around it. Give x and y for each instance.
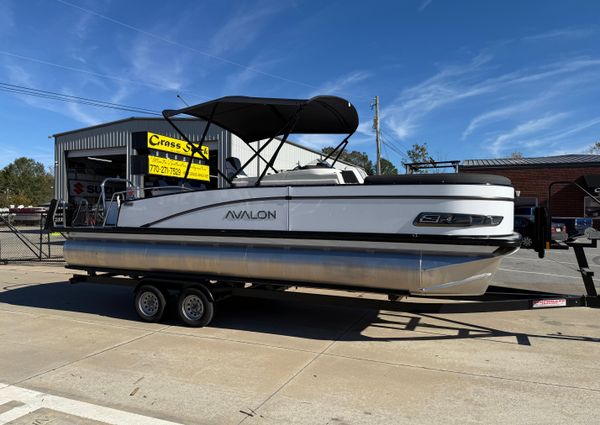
(196, 296)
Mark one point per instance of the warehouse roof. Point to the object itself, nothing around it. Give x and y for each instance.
(546, 161)
(108, 124)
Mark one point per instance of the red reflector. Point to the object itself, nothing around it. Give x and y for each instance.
(555, 302)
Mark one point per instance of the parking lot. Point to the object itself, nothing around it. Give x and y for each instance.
(76, 354)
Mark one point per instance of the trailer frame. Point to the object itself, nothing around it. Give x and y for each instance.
(210, 290)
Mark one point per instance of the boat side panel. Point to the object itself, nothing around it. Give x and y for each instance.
(208, 209)
(367, 209)
(394, 216)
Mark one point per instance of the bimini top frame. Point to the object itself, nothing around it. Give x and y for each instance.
(259, 118)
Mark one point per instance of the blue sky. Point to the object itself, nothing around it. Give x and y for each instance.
(472, 79)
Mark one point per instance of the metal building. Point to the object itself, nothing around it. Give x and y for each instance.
(85, 157)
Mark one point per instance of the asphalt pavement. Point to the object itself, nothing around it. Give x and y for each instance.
(77, 354)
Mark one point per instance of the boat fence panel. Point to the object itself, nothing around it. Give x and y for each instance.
(23, 238)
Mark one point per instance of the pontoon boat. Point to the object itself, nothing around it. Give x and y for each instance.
(435, 234)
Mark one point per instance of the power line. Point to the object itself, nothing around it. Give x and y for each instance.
(46, 94)
(395, 141)
(85, 71)
(185, 46)
(400, 154)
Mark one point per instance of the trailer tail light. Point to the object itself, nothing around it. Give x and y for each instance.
(456, 220)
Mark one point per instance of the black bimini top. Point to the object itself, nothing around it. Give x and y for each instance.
(258, 118)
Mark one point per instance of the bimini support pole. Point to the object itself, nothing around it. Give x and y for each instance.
(193, 147)
(268, 142)
(288, 129)
(339, 147)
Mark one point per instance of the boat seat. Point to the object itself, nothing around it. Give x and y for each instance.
(232, 164)
(446, 178)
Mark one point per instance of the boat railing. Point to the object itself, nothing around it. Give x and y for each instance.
(111, 208)
(79, 213)
(101, 212)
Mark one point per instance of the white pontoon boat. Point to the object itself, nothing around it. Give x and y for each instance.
(436, 234)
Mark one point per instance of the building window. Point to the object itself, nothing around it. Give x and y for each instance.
(591, 208)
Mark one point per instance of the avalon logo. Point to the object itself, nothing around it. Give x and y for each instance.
(251, 215)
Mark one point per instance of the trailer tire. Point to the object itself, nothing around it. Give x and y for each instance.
(150, 303)
(195, 308)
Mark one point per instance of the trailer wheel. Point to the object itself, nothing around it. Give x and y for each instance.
(194, 308)
(150, 303)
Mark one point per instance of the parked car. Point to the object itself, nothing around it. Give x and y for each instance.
(526, 227)
(575, 226)
(525, 212)
(558, 232)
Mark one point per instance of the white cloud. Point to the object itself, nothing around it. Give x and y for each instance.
(561, 138)
(76, 112)
(532, 102)
(424, 5)
(445, 87)
(457, 83)
(242, 28)
(506, 141)
(240, 81)
(340, 84)
(562, 33)
(150, 65)
(19, 76)
(7, 18)
(502, 113)
(82, 26)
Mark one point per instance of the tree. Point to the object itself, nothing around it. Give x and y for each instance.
(387, 168)
(357, 158)
(25, 181)
(516, 155)
(595, 149)
(418, 153)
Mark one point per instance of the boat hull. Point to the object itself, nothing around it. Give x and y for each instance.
(441, 269)
(350, 236)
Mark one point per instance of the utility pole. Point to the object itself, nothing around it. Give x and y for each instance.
(376, 127)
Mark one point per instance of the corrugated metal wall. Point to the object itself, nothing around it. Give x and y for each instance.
(118, 135)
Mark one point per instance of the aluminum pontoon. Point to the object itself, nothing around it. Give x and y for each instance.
(438, 234)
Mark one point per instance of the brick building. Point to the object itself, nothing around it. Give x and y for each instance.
(531, 178)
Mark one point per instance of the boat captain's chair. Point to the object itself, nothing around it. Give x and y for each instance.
(231, 165)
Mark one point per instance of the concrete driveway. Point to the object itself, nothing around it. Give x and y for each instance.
(76, 354)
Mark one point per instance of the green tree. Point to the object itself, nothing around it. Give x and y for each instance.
(418, 153)
(25, 181)
(387, 167)
(357, 158)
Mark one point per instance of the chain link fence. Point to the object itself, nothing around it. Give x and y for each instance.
(23, 237)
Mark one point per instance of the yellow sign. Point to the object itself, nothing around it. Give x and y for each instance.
(174, 168)
(169, 144)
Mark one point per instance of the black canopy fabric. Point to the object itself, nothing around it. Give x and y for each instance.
(257, 118)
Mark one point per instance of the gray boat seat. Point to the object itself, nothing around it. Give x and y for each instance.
(232, 164)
